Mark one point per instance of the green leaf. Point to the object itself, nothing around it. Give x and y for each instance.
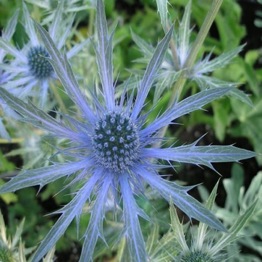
(162, 9)
(251, 78)
(241, 96)
(250, 123)
(202, 228)
(8, 198)
(232, 187)
(221, 118)
(152, 239)
(228, 24)
(184, 34)
(234, 230)
(254, 191)
(209, 66)
(50, 256)
(5, 165)
(177, 227)
(144, 47)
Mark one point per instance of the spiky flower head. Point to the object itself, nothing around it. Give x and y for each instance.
(115, 142)
(39, 66)
(112, 148)
(179, 54)
(30, 73)
(202, 244)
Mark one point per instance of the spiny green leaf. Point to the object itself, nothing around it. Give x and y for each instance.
(163, 11)
(207, 66)
(226, 239)
(184, 34)
(202, 228)
(177, 227)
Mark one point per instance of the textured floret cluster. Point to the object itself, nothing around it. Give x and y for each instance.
(38, 64)
(116, 142)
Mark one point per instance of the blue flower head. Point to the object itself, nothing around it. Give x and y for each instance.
(30, 73)
(112, 150)
(178, 59)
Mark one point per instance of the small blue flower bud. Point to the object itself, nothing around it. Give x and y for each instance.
(39, 66)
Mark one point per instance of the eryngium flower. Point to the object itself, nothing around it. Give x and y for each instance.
(111, 149)
(177, 56)
(30, 73)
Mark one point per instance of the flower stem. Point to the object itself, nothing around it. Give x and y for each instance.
(209, 19)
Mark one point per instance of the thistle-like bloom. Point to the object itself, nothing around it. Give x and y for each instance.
(29, 72)
(111, 149)
(205, 245)
(175, 62)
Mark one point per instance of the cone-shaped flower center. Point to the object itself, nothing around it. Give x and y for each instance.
(116, 142)
(197, 256)
(39, 66)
